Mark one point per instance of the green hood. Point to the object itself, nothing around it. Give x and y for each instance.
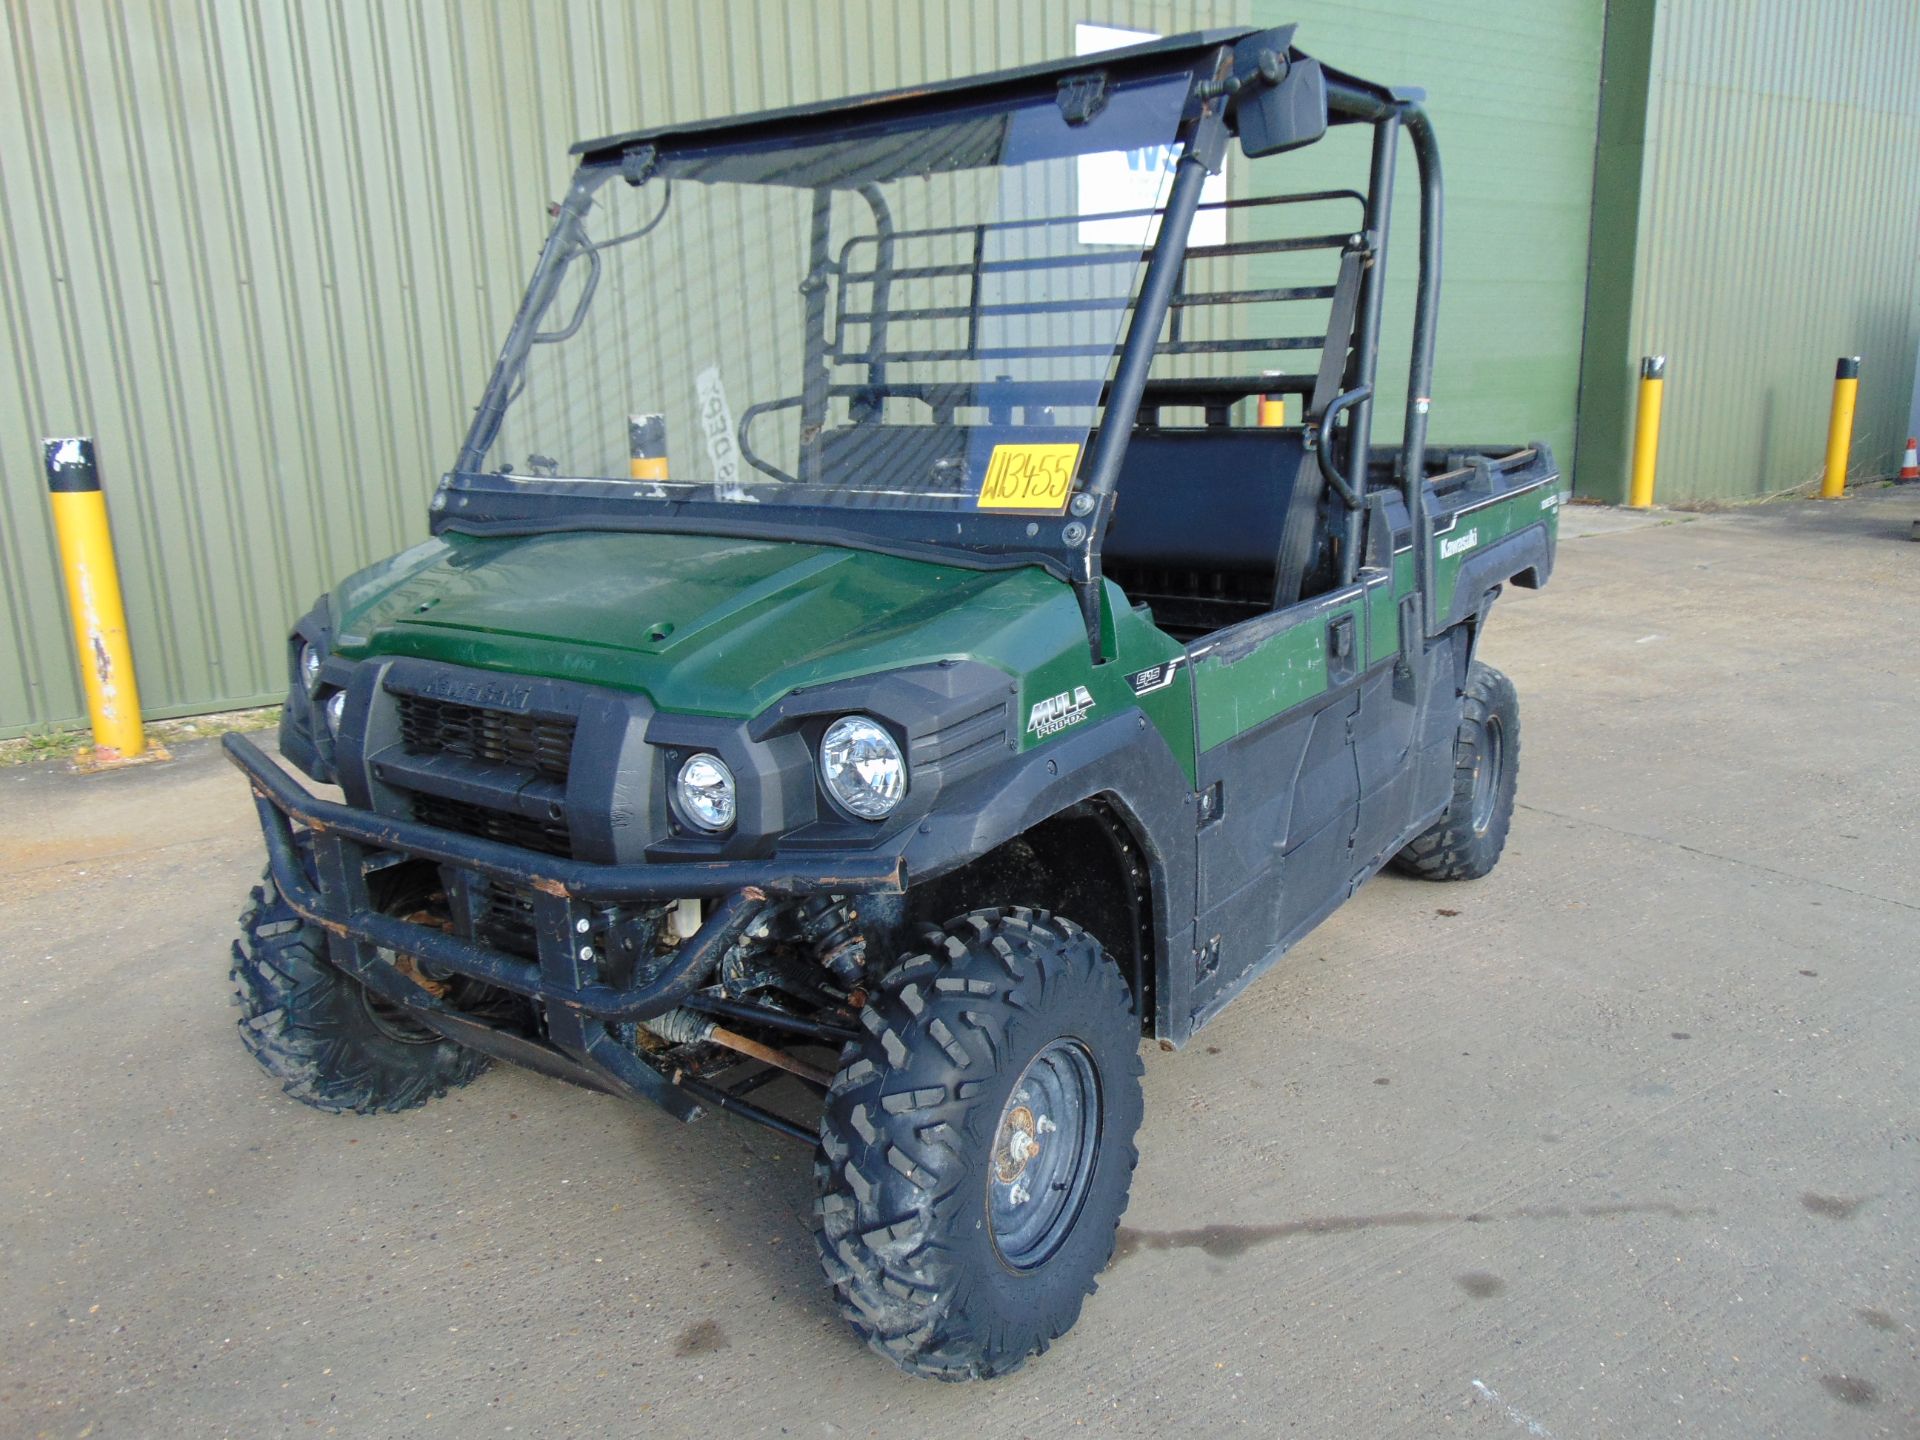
(699, 624)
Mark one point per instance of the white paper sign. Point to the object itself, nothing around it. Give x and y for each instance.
(1136, 179)
(716, 427)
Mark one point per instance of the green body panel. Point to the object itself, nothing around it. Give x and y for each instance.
(1240, 685)
(1139, 646)
(711, 626)
(1475, 527)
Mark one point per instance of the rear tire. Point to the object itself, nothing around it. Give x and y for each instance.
(977, 1145)
(1465, 842)
(320, 1032)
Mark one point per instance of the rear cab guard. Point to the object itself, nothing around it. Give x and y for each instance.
(579, 1009)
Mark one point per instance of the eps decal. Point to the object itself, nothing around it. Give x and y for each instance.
(1155, 677)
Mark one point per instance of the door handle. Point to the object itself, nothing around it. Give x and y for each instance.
(1341, 657)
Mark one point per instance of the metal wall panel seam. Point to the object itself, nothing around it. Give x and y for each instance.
(228, 655)
(36, 625)
(276, 518)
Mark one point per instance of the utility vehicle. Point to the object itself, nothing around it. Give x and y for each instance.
(868, 641)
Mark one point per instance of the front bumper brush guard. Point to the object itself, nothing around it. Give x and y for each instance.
(565, 892)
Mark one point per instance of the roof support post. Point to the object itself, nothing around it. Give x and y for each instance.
(814, 376)
(1201, 156)
(1366, 348)
(1426, 306)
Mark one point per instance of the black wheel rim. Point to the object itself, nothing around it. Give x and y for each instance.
(1043, 1155)
(1486, 773)
(394, 1021)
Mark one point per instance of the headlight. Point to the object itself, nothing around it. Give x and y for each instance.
(704, 792)
(863, 767)
(310, 665)
(336, 708)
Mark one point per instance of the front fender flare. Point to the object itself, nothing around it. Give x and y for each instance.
(1124, 760)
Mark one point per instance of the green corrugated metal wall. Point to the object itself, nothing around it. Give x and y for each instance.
(1758, 216)
(264, 252)
(1512, 86)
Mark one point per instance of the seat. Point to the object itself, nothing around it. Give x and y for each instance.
(1199, 520)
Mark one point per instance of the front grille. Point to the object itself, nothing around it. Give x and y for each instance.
(540, 744)
(503, 918)
(508, 828)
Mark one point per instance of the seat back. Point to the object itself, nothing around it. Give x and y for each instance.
(1200, 521)
(1213, 499)
(1201, 515)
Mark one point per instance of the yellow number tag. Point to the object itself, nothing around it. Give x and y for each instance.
(1029, 477)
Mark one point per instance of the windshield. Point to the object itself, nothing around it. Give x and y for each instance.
(917, 317)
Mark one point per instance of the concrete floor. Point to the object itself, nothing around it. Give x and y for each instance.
(1623, 1140)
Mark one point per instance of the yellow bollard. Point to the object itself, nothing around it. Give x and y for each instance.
(1846, 387)
(647, 447)
(1646, 431)
(1272, 410)
(93, 598)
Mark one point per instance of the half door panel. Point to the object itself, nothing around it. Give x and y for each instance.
(1275, 703)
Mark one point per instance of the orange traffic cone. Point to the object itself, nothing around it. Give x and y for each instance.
(1910, 465)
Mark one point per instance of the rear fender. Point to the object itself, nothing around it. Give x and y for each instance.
(1525, 558)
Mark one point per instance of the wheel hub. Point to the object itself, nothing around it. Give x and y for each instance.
(1016, 1146)
(1043, 1153)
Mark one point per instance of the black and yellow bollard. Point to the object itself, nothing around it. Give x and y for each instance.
(1846, 388)
(1646, 431)
(647, 447)
(93, 598)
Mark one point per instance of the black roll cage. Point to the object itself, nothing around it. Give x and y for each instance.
(1227, 66)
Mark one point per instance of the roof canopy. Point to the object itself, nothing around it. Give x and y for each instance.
(1348, 97)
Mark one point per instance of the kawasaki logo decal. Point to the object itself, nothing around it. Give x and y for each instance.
(1057, 712)
(488, 694)
(1466, 542)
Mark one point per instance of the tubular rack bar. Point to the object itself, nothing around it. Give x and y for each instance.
(1097, 302)
(1060, 352)
(883, 277)
(1126, 255)
(1304, 197)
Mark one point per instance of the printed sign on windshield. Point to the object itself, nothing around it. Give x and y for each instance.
(1034, 478)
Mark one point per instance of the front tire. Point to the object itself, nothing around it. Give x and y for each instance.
(320, 1032)
(1466, 841)
(977, 1145)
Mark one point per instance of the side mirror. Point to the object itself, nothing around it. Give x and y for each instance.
(1282, 106)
